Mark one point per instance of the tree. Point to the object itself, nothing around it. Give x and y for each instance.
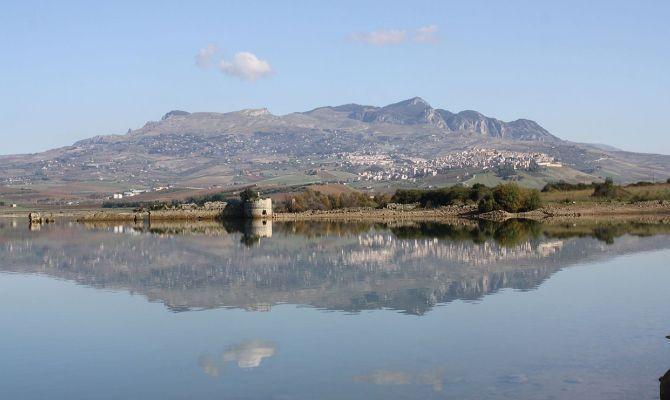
(249, 195)
(478, 192)
(486, 204)
(609, 190)
(508, 197)
(532, 200)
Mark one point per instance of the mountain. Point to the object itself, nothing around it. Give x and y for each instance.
(408, 142)
(416, 111)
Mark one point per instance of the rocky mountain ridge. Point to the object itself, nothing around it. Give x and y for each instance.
(255, 146)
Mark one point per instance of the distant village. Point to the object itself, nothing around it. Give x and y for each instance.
(136, 192)
(383, 167)
(364, 165)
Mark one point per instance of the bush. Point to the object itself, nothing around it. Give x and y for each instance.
(562, 186)
(315, 200)
(478, 192)
(641, 184)
(532, 200)
(511, 198)
(441, 197)
(486, 204)
(508, 197)
(609, 190)
(249, 194)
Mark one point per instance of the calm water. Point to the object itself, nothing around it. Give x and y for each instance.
(333, 311)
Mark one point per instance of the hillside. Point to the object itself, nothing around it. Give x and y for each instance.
(406, 143)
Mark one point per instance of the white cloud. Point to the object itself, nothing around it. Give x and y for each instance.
(381, 38)
(426, 34)
(423, 34)
(246, 66)
(204, 57)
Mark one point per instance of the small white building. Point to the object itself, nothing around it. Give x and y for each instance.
(13, 205)
(117, 196)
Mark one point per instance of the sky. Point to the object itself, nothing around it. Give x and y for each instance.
(593, 71)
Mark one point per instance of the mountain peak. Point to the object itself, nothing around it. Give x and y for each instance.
(418, 100)
(255, 112)
(175, 113)
(414, 101)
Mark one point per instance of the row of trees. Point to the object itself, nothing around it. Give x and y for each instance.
(601, 189)
(563, 186)
(508, 197)
(315, 200)
(441, 197)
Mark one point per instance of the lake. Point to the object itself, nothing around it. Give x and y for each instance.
(323, 310)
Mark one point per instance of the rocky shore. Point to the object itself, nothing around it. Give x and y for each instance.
(373, 214)
(649, 209)
(161, 215)
(549, 213)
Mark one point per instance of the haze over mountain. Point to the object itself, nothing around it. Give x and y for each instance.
(253, 145)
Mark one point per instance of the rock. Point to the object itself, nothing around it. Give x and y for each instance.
(175, 113)
(215, 205)
(497, 215)
(665, 386)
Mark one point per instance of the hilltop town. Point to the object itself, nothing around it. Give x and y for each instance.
(408, 144)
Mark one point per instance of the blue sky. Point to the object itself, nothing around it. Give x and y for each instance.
(587, 71)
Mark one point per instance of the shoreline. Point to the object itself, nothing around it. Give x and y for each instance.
(551, 212)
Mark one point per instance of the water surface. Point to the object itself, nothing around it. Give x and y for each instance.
(333, 311)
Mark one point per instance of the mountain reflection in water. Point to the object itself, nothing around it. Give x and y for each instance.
(347, 266)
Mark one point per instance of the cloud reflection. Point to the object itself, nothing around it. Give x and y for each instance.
(247, 355)
(209, 365)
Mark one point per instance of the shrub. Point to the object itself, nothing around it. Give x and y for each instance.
(532, 200)
(249, 194)
(641, 184)
(403, 196)
(315, 200)
(609, 190)
(478, 192)
(486, 204)
(562, 186)
(511, 198)
(508, 197)
(441, 197)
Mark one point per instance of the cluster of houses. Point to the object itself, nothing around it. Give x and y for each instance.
(383, 167)
(135, 192)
